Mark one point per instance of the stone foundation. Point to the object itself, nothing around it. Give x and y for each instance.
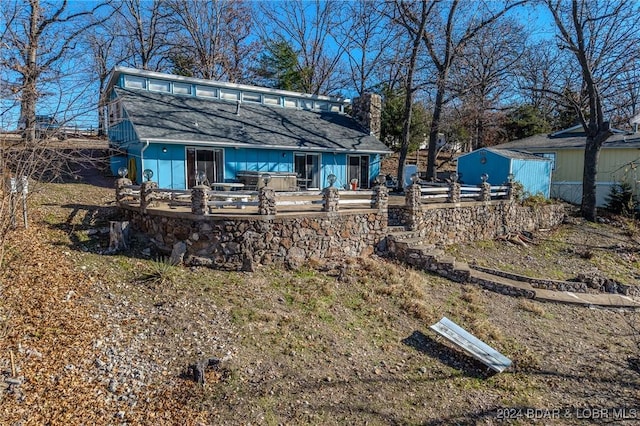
(238, 243)
(449, 223)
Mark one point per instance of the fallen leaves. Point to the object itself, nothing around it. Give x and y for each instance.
(49, 335)
(49, 349)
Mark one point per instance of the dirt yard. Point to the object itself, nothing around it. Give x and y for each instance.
(91, 338)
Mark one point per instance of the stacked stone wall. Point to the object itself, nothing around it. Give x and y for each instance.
(447, 223)
(235, 243)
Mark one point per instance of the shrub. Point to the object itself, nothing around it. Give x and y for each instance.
(621, 199)
(535, 200)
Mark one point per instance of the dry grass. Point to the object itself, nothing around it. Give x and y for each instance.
(331, 343)
(565, 252)
(531, 306)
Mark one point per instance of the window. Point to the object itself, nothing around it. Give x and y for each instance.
(307, 169)
(230, 95)
(159, 86)
(133, 82)
(549, 155)
(322, 106)
(181, 89)
(290, 102)
(358, 168)
(251, 97)
(206, 92)
(271, 100)
(205, 160)
(115, 112)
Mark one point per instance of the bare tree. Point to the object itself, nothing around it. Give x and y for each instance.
(144, 33)
(603, 37)
(106, 52)
(310, 27)
(214, 37)
(42, 70)
(36, 51)
(625, 101)
(370, 42)
(484, 74)
(445, 38)
(538, 72)
(407, 15)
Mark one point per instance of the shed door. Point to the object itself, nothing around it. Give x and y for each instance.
(206, 160)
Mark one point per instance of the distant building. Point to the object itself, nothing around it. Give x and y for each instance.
(619, 161)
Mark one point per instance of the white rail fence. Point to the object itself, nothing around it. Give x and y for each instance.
(148, 195)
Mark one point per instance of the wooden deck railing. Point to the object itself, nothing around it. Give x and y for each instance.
(436, 191)
(204, 201)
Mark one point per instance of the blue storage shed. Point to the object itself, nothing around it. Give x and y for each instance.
(532, 171)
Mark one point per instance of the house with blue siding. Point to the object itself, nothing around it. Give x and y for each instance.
(186, 129)
(532, 171)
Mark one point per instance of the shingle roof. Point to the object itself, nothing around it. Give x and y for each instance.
(518, 155)
(508, 153)
(182, 119)
(571, 140)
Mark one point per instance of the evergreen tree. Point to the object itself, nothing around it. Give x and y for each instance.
(279, 68)
(525, 121)
(182, 65)
(391, 125)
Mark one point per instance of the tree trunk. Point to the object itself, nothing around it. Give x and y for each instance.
(408, 100)
(30, 76)
(588, 207)
(406, 129)
(480, 132)
(591, 154)
(435, 127)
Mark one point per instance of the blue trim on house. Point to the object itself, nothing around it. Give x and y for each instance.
(168, 163)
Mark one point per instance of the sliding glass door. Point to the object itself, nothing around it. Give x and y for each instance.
(206, 160)
(358, 168)
(307, 168)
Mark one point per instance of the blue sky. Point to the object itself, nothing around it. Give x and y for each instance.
(74, 101)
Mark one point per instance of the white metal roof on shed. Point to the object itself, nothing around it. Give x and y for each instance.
(508, 153)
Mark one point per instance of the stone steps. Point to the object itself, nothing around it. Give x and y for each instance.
(396, 229)
(411, 250)
(501, 284)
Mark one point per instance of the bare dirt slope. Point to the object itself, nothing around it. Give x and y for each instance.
(105, 339)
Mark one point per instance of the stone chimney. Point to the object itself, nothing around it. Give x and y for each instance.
(367, 111)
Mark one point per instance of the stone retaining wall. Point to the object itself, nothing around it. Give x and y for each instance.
(556, 285)
(583, 283)
(503, 289)
(239, 242)
(449, 223)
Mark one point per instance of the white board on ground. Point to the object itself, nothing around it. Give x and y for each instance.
(471, 344)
